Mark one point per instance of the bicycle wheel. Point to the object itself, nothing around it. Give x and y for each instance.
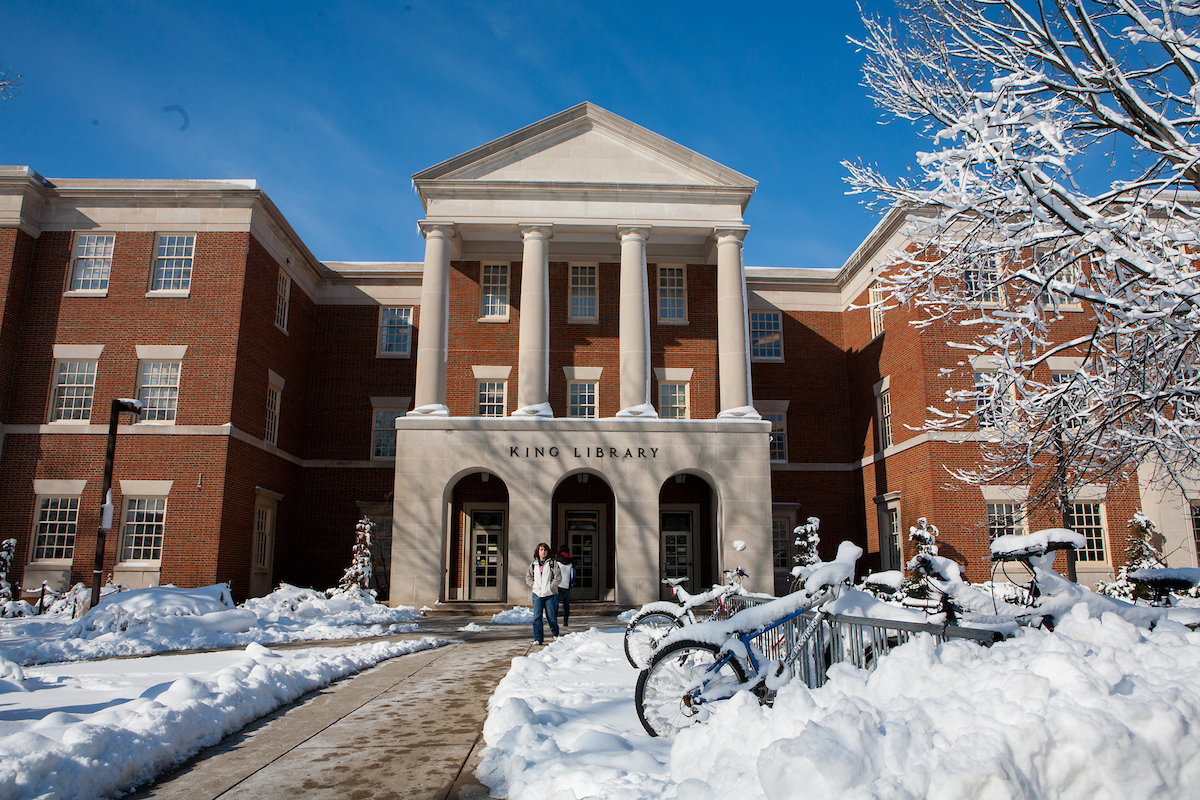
(644, 633)
(663, 689)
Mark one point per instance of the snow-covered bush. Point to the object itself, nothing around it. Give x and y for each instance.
(1140, 554)
(807, 540)
(358, 574)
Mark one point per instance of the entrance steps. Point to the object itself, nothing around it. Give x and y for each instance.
(578, 609)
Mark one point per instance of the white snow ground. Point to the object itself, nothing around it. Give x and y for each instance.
(1096, 709)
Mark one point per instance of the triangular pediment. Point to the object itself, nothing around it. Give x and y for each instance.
(585, 145)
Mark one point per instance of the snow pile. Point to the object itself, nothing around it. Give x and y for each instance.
(1096, 709)
(166, 618)
(54, 745)
(514, 616)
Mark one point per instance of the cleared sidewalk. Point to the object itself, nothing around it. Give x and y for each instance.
(410, 727)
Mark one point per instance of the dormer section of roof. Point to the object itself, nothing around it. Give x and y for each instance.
(585, 171)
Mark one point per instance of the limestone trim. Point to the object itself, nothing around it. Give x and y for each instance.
(62, 488)
(78, 352)
(489, 373)
(582, 373)
(275, 379)
(673, 374)
(140, 488)
(165, 352)
(882, 385)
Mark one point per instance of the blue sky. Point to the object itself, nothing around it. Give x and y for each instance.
(333, 108)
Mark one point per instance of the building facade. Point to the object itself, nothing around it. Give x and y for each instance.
(581, 358)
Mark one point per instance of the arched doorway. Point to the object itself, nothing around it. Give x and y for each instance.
(687, 533)
(584, 520)
(477, 547)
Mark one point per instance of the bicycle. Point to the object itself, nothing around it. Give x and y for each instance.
(690, 672)
(654, 621)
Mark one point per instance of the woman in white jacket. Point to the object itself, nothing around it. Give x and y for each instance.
(544, 578)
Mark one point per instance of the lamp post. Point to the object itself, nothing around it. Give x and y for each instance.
(106, 504)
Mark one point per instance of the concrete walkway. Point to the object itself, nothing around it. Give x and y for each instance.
(411, 727)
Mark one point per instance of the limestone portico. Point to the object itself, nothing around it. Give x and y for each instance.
(584, 187)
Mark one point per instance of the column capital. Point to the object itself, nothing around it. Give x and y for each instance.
(442, 230)
(633, 230)
(536, 230)
(730, 233)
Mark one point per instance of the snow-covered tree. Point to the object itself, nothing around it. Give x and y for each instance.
(924, 536)
(807, 540)
(1142, 553)
(358, 574)
(7, 549)
(1063, 171)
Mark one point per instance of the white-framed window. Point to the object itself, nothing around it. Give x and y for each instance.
(1196, 529)
(383, 434)
(993, 398)
(672, 295)
(74, 387)
(1065, 267)
(1087, 519)
(766, 335)
(673, 400)
(1071, 408)
(875, 298)
(582, 399)
(395, 332)
(264, 532)
(1005, 519)
(584, 298)
(92, 263)
(884, 408)
(143, 525)
(158, 389)
(490, 398)
(778, 441)
(54, 528)
(283, 300)
(982, 282)
(274, 396)
(493, 292)
(173, 262)
(781, 542)
(890, 544)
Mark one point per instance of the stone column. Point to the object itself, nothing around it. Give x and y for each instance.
(635, 325)
(433, 328)
(733, 335)
(533, 347)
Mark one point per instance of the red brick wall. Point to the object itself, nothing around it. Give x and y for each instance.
(585, 345)
(693, 345)
(475, 342)
(17, 252)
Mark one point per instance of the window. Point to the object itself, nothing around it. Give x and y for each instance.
(142, 532)
(1196, 529)
(74, 385)
(875, 297)
(583, 293)
(992, 399)
(493, 292)
(1069, 405)
(490, 398)
(283, 299)
(158, 389)
(93, 262)
(1086, 519)
(264, 528)
(582, 399)
(54, 534)
(781, 531)
(383, 438)
(672, 295)
(271, 434)
(766, 335)
(885, 419)
(778, 441)
(395, 332)
(1005, 519)
(890, 536)
(173, 264)
(673, 400)
(1064, 267)
(982, 282)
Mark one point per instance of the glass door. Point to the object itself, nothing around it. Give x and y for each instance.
(487, 555)
(582, 533)
(676, 547)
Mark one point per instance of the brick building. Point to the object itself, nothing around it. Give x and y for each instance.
(582, 357)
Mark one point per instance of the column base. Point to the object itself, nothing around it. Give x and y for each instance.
(434, 410)
(539, 411)
(643, 411)
(741, 412)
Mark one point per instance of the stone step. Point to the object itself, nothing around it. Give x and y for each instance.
(578, 609)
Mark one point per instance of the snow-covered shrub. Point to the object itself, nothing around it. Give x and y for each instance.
(807, 540)
(358, 574)
(1140, 554)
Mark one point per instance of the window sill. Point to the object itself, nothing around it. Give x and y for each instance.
(383, 458)
(84, 421)
(52, 563)
(672, 321)
(393, 355)
(86, 293)
(765, 360)
(583, 321)
(169, 293)
(155, 422)
(493, 319)
(1074, 308)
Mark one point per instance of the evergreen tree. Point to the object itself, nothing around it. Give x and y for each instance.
(358, 574)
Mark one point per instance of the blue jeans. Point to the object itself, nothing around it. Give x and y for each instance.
(564, 601)
(545, 606)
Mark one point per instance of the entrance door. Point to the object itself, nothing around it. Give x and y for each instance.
(488, 547)
(583, 532)
(677, 547)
